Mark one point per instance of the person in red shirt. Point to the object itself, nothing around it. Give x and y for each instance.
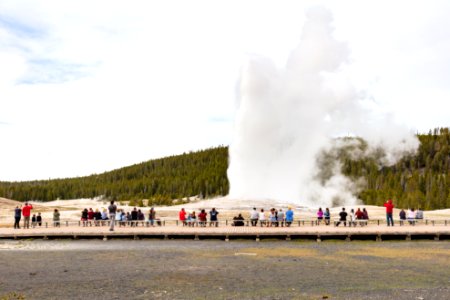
(90, 216)
(26, 212)
(182, 216)
(202, 217)
(359, 214)
(389, 210)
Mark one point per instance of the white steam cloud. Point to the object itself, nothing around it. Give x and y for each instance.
(287, 117)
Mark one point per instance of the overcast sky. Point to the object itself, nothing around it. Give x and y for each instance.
(90, 86)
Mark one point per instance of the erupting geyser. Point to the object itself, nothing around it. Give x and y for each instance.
(287, 117)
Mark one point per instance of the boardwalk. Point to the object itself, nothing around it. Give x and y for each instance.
(318, 233)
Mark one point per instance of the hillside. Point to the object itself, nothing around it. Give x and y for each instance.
(201, 173)
(421, 180)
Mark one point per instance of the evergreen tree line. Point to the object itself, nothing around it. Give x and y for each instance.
(418, 180)
(201, 174)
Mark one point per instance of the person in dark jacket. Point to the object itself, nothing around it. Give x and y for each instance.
(402, 215)
(17, 216)
(342, 217)
(56, 218)
(84, 216)
(134, 217)
(238, 221)
(39, 219)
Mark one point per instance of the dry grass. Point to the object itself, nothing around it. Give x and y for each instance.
(411, 253)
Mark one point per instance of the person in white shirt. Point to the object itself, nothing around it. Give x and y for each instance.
(411, 216)
(262, 217)
(254, 216)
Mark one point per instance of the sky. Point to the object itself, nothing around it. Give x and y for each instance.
(91, 86)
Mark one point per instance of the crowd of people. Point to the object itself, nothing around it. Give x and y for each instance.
(36, 219)
(191, 219)
(272, 218)
(123, 218)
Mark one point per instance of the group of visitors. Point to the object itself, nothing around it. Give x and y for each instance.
(36, 219)
(191, 219)
(25, 211)
(355, 217)
(275, 217)
(412, 215)
(123, 218)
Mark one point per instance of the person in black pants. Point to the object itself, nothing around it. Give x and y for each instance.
(134, 217)
(17, 216)
(342, 217)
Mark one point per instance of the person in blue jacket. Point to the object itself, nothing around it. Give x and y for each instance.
(289, 217)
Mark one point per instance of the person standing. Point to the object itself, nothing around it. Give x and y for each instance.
(112, 208)
(389, 210)
(134, 217)
(26, 212)
(56, 218)
(17, 216)
(152, 216)
(39, 219)
(213, 217)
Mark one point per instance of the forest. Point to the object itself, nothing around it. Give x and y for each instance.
(417, 180)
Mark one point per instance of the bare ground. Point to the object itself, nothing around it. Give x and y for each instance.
(150, 269)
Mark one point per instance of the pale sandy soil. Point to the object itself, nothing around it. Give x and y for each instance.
(71, 209)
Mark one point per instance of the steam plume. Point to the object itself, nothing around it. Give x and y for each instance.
(287, 117)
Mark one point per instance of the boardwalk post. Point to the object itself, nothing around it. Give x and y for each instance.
(136, 237)
(436, 238)
(319, 239)
(227, 238)
(257, 238)
(348, 238)
(105, 237)
(196, 238)
(288, 237)
(46, 225)
(166, 236)
(408, 237)
(379, 238)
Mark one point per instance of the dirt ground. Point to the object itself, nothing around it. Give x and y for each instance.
(182, 269)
